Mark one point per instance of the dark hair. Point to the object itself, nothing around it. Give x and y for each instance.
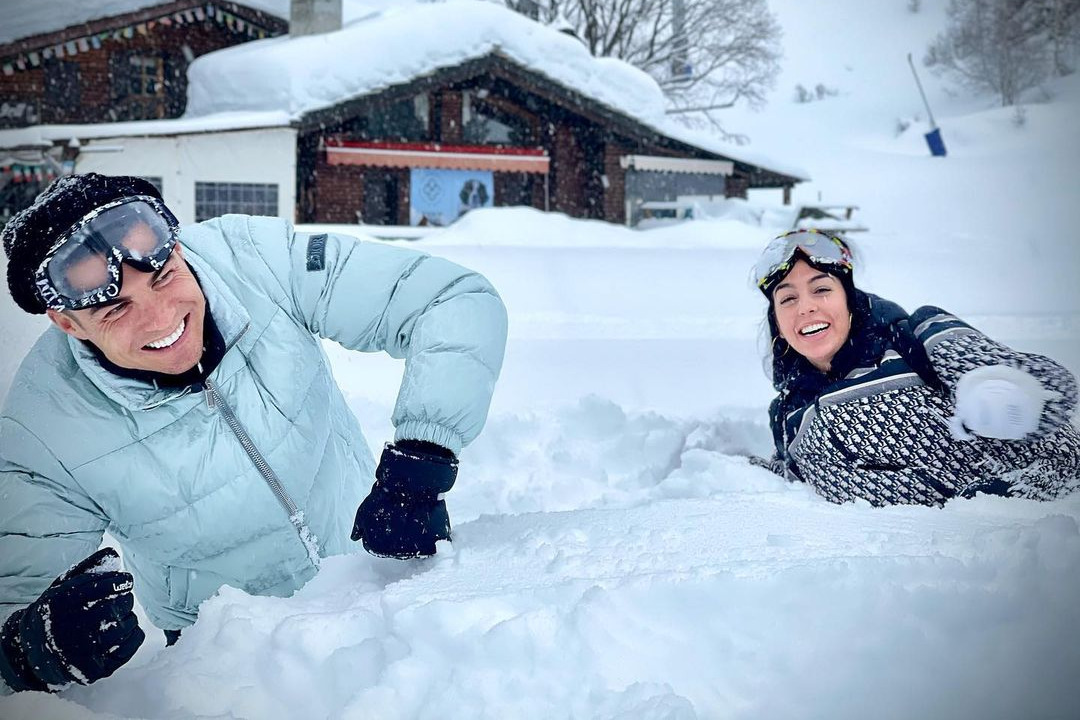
(783, 357)
(31, 232)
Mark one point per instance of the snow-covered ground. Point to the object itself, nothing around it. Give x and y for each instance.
(614, 555)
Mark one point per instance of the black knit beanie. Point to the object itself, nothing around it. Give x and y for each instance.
(31, 232)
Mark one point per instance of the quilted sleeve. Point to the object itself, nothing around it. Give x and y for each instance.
(446, 321)
(46, 526)
(954, 348)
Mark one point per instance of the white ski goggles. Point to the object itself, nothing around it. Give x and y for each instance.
(84, 266)
(815, 246)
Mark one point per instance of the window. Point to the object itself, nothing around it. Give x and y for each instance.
(146, 77)
(138, 86)
(404, 121)
(484, 124)
(213, 199)
(644, 186)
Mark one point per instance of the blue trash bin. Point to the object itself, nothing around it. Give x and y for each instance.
(937, 145)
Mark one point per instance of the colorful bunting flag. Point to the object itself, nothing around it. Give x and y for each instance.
(85, 44)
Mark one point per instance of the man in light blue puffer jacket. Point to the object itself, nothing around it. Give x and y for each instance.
(182, 402)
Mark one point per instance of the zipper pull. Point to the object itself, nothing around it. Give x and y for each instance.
(211, 400)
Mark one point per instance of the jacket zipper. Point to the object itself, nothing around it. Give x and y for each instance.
(216, 402)
(191, 388)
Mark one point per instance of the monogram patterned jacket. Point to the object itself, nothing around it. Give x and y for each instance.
(876, 425)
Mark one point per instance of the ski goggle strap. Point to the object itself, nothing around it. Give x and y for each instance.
(781, 254)
(84, 266)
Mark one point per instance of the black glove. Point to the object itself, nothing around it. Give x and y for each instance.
(402, 516)
(81, 629)
(774, 464)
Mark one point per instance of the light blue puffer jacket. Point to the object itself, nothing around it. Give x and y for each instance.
(83, 451)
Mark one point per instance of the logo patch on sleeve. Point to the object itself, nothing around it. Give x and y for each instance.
(316, 252)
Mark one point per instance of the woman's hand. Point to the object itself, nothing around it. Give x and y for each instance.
(997, 401)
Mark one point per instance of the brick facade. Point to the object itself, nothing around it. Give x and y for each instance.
(449, 117)
(567, 181)
(615, 191)
(338, 193)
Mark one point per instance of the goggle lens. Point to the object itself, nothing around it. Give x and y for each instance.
(779, 255)
(85, 269)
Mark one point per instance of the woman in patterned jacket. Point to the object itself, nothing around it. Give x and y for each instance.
(894, 408)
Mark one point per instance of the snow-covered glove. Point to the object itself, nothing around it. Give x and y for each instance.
(81, 629)
(403, 516)
(997, 401)
(774, 464)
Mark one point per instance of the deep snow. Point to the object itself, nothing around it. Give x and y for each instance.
(614, 557)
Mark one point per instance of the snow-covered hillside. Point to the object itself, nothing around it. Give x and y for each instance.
(614, 555)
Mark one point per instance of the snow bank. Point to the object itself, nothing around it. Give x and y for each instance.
(740, 597)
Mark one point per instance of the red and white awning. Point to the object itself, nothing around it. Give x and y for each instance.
(435, 155)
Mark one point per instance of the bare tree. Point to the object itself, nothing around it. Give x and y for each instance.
(1006, 46)
(1062, 18)
(705, 54)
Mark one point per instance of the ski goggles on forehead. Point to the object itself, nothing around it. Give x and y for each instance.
(84, 267)
(782, 253)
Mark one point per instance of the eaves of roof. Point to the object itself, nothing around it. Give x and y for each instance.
(48, 135)
(113, 22)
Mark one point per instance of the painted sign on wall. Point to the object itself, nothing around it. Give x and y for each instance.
(439, 197)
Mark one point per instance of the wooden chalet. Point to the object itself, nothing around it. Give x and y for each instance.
(504, 130)
(547, 145)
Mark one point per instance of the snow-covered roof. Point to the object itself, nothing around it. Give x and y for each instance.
(398, 45)
(405, 41)
(26, 18)
(45, 135)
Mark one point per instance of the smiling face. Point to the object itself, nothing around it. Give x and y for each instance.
(155, 323)
(812, 313)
